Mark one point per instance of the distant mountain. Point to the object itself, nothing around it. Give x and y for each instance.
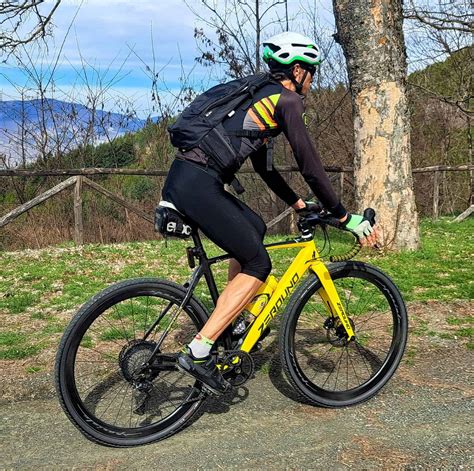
(67, 125)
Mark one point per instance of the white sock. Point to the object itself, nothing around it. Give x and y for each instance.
(200, 346)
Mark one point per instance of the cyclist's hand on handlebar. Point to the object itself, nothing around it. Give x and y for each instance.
(309, 207)
(363, 226)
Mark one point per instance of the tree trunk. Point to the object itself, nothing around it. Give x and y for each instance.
(371, 36)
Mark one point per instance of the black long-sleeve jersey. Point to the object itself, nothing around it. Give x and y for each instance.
(275, 108)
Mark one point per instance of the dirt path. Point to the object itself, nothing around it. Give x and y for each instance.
(422, 419)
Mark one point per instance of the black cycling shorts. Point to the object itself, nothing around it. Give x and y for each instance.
(223, 218)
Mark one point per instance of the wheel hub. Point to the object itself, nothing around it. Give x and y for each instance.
(132, 358)
(335, 331)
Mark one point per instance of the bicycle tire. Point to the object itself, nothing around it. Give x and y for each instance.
(311, 340)
(103, 346)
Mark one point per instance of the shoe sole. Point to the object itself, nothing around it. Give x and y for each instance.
(206, 387)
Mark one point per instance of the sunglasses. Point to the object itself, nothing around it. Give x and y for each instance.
(311, 69)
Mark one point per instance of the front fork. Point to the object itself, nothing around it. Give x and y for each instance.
(331, 298)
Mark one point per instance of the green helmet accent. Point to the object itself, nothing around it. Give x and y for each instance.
(286, 48)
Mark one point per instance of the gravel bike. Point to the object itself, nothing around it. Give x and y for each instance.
(342, 336)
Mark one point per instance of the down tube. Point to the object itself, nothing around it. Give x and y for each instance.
(285, 287)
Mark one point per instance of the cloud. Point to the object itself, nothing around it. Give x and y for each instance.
(107, 29)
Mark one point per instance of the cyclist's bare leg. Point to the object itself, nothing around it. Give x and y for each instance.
(239, 292)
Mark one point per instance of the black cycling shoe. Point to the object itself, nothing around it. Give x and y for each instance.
(204, 370)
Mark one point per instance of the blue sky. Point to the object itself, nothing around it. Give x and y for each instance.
(113, 39)
(108, 33)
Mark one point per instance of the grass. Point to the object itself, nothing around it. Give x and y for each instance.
(15, 346)
(41, 289)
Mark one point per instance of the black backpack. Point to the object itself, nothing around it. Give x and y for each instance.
(200, 124)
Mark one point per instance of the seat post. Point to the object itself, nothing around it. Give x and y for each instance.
(197, 241)
(205, 266)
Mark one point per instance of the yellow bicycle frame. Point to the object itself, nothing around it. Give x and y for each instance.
(308, 258)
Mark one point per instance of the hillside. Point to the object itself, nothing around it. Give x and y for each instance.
(30, 127)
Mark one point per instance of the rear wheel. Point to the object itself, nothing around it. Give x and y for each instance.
(101, 380)
(320, 362)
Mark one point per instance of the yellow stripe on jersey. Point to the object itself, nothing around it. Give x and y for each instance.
(262, 111)
(268, 105)
(274, 98)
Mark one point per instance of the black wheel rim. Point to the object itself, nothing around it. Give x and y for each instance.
(330, 366)
(98, 389)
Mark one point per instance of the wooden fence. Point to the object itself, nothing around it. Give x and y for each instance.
(78, 179)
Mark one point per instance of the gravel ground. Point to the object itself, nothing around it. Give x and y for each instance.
(420, 420)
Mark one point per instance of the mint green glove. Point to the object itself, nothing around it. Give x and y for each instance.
(359, 225)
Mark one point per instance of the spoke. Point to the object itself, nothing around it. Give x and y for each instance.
(132, 403)
(133, 321)
(347, 367)
(121, 404)
(330, 373)
(121, 321)
(330, 349)
(363, 358)
(350, 295)
(111, 402)
(353, 367)
(110, 391)
(363, 323)
(82, 376)
(110, 356)
(104, 317)
(145, 323)
(98, 336)
(338, 368)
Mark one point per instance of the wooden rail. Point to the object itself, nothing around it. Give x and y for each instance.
(78, 182)
(78, 178)
(162, 173)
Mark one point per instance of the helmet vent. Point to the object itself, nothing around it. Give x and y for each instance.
(285, 55)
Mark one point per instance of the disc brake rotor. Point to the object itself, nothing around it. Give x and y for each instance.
(336, 333)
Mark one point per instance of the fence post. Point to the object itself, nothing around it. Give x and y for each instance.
(435, 194)
(78, 222)
(341, 186)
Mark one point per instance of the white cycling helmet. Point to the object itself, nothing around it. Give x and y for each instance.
(287, 48)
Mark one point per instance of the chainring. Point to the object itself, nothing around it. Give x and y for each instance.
(238, 367)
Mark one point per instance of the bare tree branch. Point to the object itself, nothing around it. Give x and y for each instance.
(15, 14)
(452, 16)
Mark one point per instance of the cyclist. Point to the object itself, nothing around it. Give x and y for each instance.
(196, 189)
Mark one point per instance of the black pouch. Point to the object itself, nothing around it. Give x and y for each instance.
(217, 145)
(169, 223)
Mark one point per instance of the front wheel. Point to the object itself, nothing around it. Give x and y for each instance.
(116, 373)
(318, 359)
